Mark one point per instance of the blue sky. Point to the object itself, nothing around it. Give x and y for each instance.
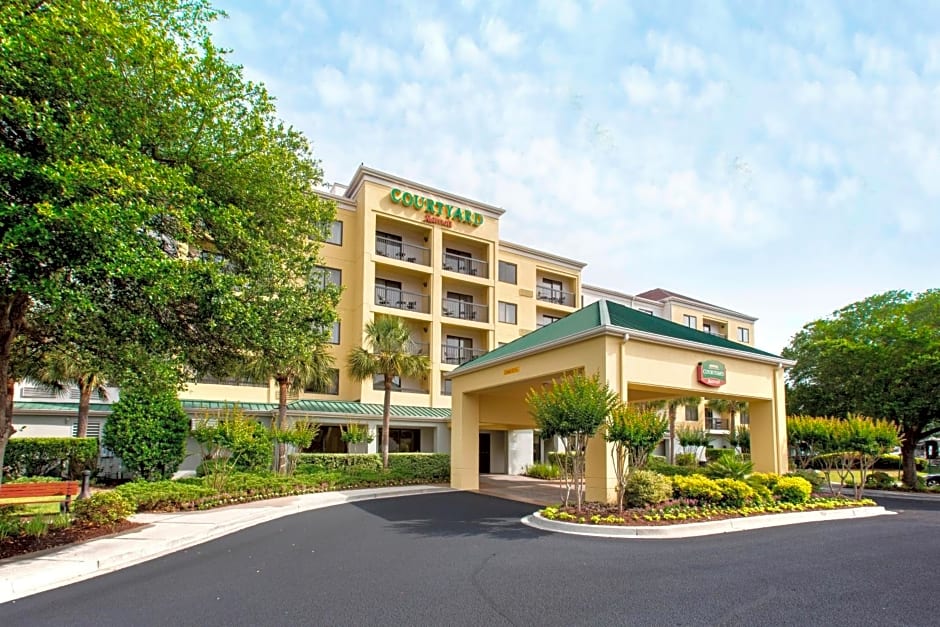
(778, 158)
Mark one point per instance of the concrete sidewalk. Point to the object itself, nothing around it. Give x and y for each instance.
(164, 534)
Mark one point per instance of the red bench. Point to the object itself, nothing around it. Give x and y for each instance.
(36, 492)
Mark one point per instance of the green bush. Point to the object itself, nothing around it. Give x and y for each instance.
(210, 466)
(714, 454)
(729, 467)
(880, 481)
(659, 464)
(793, 490)
(319, 462)
(893, 462)
(32, 479)
(36, 526)
(697, 488)
(424, 466)
(160, 495)
(561, 460)
(50, 457)
(766, 479)
(543, 471)
(148, 431)
(103, 509)
(645, 487)
(686, 459)
(735, 493)
(815, 478)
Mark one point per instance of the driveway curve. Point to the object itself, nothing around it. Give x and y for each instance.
(464, 559)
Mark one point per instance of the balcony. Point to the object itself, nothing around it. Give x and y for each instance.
(459, 354)
(555, 296)
(464, 310)
(401, 299)
(465, 265)
(420, 348)
(402, 251)
(717, 424)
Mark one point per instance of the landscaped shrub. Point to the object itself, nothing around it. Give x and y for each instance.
(425, 466)
(50, 457)
(645, 487)
(686, 459)
(697, 488)
(714, 454)
(766, 479)
(880, 480)
(148, 430)
(735, 493)
(159, 495)
(102, 509)
(561, 460)
(543, 471)
(31, 479)
(729, 467)
(660, 465)
(893, 462)
(320, 462)
(793, 490)
(815, 478)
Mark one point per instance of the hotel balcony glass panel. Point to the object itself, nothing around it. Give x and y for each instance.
(420, 348)
(716, 424)
(464, 310)
(556, 296)
(414, 386)
(403, 251)
(401, 299)
(465, 265)
(459, 354)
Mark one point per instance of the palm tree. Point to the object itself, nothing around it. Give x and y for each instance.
(60, 369)
(672, 405)
(391, 357)
(313, 368)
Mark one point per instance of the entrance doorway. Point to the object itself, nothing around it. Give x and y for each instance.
(485, 453)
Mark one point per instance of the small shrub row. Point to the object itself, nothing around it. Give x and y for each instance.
(424, 466)
(50, 457)
(543, 471)
(102, 509)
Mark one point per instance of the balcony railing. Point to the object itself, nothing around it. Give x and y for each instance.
(402, 251)
(465, 265)
(400, 299)
(420, 348)
(412, 389)
(459, 354)
(553, 295)
(464, 310)
(716, 424)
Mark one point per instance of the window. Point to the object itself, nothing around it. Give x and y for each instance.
(93, 430)
(328, 440)
(334, 334)
(331, 388)
(647, 311)
(507, 313)
(458, 260)
(691, 413)
(458, 305)
(457, 349)
(389, 245)
(387, 292)
(690, 321)
(547, 320)
(744, 335)
(401, 440)
(246, 381)
(744, 418)
(447, 386)
(327, 276)
(507, 272)
(378, 383)
(335, 235)
(707, 328)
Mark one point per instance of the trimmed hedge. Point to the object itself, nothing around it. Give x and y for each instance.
(159, 495)
(427, 466)
(326, 462)
(793, 489)
(102, 509)
(50, 457)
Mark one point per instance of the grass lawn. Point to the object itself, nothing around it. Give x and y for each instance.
(894, 474)
(35, 505)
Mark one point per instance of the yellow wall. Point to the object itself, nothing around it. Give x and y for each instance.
(676, 313)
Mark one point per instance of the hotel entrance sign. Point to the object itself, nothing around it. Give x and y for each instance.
(435, 211)
(712, 373)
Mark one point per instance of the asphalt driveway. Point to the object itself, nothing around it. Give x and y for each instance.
(464, 559)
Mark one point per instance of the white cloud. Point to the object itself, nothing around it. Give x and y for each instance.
(435, 51)
(563, 13)
(879, 58)
(468, 52)
(367, 57)
(499, 39)
(675, 56)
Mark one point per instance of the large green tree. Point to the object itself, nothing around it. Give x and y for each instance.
(146, 188)
(878, 357)
(389, 354)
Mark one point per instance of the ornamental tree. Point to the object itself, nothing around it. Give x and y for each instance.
(878, 357)
(146, 188)
(634, 431)
(573, 408)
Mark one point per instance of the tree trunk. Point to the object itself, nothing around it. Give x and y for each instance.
(908, 463)
(386, 418)
(12, 317)
(85, 389)
(672, 436)
(282, 387)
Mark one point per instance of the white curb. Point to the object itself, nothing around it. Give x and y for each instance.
(707, 528)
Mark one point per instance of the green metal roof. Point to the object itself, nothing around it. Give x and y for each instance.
(366, 409)
(219, 405)
(49, 406)
(620, 316)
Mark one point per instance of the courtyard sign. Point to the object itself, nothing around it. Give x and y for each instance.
(711, 373)
(435, 212)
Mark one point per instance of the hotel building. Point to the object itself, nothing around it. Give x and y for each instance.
(436, 260)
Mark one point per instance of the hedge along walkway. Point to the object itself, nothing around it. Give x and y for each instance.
(164, 534)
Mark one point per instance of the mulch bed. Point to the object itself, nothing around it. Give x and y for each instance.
(20, 545)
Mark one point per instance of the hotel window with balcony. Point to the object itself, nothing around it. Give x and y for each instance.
(744, 418)
(459, 261)
(335, 236)
(458, 350)
(389, 245)
(388, 293)
(690, 321)
(546, 320)
(458, 305)
(744, 335)
(507, 272)
(331, 387)
(691, 413)
(327, 276)
(378, 383)
(507, 313)
(447, 386)
(553, 291)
